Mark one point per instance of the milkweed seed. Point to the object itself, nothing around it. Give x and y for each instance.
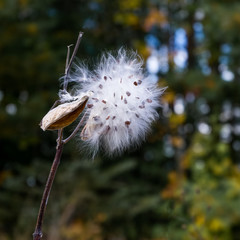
(105, 78)
(127, 123)
(100, 86)
(107, 117)
(125, 100)
(90, 105)
(103, 101)
(128, 94)
(95, 99)
(96, 118)
(149, 100)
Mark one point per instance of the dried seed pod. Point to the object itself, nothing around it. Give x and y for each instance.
(63, 115)
(85, 133)
(88, 130)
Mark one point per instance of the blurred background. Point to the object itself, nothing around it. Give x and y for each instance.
(184, 182)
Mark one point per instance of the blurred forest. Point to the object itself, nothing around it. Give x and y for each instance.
(184, 182)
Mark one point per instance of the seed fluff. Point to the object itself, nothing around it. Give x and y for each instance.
(123, 103)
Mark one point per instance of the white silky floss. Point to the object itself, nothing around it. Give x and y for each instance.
(122, 105)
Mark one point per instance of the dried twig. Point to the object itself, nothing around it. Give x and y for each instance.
(37, 235)
(68, 64)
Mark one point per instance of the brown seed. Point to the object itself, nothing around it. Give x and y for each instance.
(149, 100)
(95, 99)
(125, 100)
(100, 86)
(128, 94)
(113, 117)
(105, 78)
(107, 117)
(90, 105)
(135, 83)
(103, 101)
(127, 123)
(96, 118)
(121, 97)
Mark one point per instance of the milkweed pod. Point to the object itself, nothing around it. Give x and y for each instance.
(63, 115)
(87, 131)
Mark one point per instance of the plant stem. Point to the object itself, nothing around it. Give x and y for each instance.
(69, 63)
(37, 235)
(75, 130)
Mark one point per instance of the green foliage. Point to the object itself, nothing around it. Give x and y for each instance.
(183, 183)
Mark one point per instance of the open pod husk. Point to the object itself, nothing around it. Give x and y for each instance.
(63, 115)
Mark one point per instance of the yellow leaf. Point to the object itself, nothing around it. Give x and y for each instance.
(129, 5)
(200, 220)
(155, 17)
(126, 18)
(216, 225)
(168, 97)
(177, 141)
(176, 120)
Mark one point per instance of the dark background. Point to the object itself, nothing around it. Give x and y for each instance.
(184, 182)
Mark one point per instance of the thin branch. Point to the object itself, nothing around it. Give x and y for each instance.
(75, 130)
(71, 60)
(67, 58)
(37, 235)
